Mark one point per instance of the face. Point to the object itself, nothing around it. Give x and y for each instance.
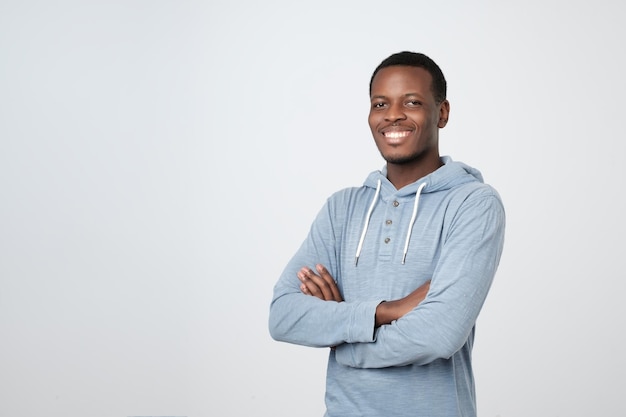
(404, 117)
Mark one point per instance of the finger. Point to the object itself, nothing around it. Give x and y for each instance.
(304, 289)
(321, 269)
(309, 286)
(321, 285)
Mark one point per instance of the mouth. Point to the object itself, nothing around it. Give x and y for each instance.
(394, 135)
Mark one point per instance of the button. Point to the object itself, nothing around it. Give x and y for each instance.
(387, 240)
(395, 203)
(388, 222)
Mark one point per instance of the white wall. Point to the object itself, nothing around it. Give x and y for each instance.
(160, 161)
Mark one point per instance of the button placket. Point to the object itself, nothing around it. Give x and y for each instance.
(388, 232)
(389, 222)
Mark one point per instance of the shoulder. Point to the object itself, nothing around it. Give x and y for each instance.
(346, 196)
(344, 203)
(474, 200)
(474, 191)
(486, 194)
(481, 204)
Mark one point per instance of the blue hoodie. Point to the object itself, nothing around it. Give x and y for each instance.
(380, 244)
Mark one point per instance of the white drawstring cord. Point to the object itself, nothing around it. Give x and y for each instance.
(408, 233)
(367, 222)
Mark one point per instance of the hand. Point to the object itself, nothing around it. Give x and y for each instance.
(320, 284)
(388, 311)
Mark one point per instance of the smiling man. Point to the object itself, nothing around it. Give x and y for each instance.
(393, 274)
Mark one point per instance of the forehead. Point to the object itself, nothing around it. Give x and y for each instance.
(402, 80)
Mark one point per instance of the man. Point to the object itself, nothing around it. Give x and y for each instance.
(393, 274)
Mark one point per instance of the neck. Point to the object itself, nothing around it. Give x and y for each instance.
(401, 175)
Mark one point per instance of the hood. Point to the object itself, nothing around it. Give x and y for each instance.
(449, 175)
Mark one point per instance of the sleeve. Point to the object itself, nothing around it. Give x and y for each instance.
(442, 323)
(306, 320)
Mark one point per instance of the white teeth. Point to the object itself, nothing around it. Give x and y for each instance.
(395, 135)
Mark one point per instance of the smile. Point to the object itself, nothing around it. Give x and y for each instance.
(395, 134)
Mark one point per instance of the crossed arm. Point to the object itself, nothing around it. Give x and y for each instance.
(432, 322)
(322, 285)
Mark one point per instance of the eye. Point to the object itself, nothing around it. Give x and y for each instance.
(413, 103)
(378, 105)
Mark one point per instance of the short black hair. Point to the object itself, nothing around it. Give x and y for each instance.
(419, 60)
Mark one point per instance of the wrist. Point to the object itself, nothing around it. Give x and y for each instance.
(382, 315)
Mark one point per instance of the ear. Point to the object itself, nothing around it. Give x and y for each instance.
(444, 114)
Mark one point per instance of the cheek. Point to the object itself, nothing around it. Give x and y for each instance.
(434, 119)
(372, 120)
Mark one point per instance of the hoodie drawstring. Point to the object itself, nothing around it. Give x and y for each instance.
(413, 216)
(367, 222)
(369, 215)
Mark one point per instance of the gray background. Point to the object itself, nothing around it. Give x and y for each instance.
(160, 162)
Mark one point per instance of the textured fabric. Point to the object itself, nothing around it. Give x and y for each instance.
(419, 365)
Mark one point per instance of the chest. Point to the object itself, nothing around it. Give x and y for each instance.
(391, 237)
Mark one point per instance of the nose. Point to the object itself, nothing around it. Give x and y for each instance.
(394, 113)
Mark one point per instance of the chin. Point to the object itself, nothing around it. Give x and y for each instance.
(402, 159)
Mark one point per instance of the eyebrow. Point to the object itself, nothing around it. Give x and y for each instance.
(405, 95)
